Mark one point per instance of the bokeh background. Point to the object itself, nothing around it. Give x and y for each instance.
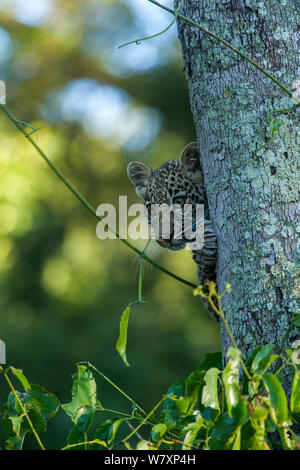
(62, 290)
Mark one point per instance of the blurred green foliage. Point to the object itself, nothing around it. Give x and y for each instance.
(62, 290)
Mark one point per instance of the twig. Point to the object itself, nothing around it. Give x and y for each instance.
(85, 443)
(132, 429)
(144, 420)
(138, 41)
(114, 385)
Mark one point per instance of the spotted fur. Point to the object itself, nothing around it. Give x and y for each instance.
(172, 181)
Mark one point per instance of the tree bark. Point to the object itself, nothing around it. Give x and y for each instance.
(254, 202)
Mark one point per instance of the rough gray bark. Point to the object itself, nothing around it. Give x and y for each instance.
(254, 206)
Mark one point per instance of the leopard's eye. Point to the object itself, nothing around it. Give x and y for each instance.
(181, 200)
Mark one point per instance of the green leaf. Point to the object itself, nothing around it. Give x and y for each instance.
(278, 405)
(295, 354)
(21, 377)
(13, 406)
(6, 421)
(295, 396)
(212, 360)
(234, 353)
(16, 422)
(39, 405)
(84, 394)
(192, 384)
(192, 430)
(260, 414)
(38, 421)
(248, 364)
(288, 442)
(14, 442)
(158, 431)
(223, 432)
(261, 358)
(237, 407)
(145, 445)
(253, 434)
(210, 396)
(257, 420)
(107, 431)
(209, 414)
(296, 320)
(42, 401)
(236, 445)
(122, 340)
(171, 411)
(79, 432)
(261, 362)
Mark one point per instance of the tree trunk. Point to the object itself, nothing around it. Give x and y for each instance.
(254, 202)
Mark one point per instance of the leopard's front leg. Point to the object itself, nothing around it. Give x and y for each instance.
(206, 260)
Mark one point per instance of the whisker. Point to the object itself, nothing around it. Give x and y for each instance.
(193, 224)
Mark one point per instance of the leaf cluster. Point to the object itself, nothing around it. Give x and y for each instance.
(213, 408)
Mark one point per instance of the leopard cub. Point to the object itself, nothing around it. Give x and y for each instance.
(179, 182)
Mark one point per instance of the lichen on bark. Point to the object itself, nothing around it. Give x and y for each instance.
(254, 202)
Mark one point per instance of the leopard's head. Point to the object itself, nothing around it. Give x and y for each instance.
(174, 182)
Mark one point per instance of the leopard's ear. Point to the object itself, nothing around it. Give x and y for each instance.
(190, 161)
(139, 175)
